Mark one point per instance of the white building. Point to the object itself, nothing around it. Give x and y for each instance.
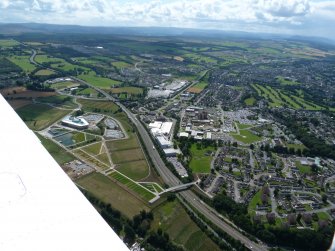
(163, 142)
(158, 128)
(75, 122)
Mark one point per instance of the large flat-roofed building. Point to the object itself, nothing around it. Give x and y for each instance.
(40, 207)
(75, 122)
(163, 142)
(158, 128)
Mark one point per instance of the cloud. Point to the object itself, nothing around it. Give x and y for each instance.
(279, 15)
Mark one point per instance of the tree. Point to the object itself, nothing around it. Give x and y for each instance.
(271, 217)
(129, 234)
(292, 219)
(324, 198)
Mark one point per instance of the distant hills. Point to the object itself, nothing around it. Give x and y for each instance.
(20, 28)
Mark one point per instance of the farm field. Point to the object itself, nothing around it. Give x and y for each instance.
(201, 159)
(8, 43)
(40, 116)
(100, 82)
(197, 88)
(109, 192)
(128, 90)
(23, 62)
(140, 190)
(103, 106)
(135, 170)
(199, 58)
(57, 63)
(63, 85)
(18, 103)
(89, 92)
(44, 73)
(172, 218)
(121, 64)
(58, 153)
(58, 100)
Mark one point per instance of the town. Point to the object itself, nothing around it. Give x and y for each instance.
(232, 139)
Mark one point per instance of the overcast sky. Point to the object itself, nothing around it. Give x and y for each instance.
(301, 17)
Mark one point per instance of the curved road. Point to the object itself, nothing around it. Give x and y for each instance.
(171, 180)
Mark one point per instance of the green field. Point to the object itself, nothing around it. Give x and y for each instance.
(102, 106)
(127, 155)
(109, 192)
(63, 85)
(93, 149)
(246, 137)
(121, 64)
(140, 190)
(279, 98)
(57, 63)
(59, 100)
(128, 90)
(8, 43)
(89, 92)
(44, 73)
(172, 218)
(199, 58)
(58, 153)
(284, 81)
(40, 116)
(256, 200)
(23, 62)
(250, 101)
(100, 82)
(303, 169)
(135, 170)
(201, 159)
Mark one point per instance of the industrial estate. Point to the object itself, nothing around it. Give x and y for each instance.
(186, 143)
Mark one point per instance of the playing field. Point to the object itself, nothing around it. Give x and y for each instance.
(279, 98)
(40, 116)
(109, 192)
(173, 219)
(201, 159)
(246, 137)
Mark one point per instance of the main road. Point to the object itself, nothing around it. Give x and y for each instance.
(171, 180)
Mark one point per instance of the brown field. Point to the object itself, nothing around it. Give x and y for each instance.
(109, 192)
(21, 92)
(194, 90)
(127, 155)
(18, 103)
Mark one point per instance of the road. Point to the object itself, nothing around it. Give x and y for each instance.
(171, 180)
